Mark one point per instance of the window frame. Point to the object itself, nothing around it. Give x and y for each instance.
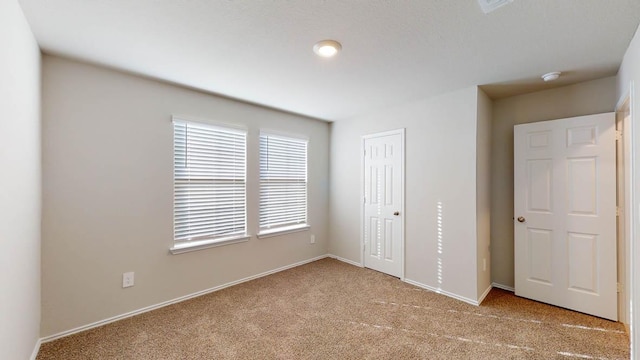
(198, 243)
(264, 232)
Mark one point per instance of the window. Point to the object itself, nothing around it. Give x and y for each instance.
(283, 184)
(209, 188)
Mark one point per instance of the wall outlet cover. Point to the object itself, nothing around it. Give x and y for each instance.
(127, 279)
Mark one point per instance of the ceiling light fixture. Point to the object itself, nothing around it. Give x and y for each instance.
(327, 48)
(551, 76)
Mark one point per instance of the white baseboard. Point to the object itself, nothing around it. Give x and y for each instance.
(443, 292)
(170, 302)
(36, 349)
(351, 262)
(484, 294)
(503, 287)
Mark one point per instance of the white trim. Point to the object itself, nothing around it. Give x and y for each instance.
(484, 294)
(442, 292)
(36, 350)
(283, 134)
(625, 218)
(384, 133)
(503, 287)
(362, 196)
(174, 301)
(634, 196)
(403, 157)
(350, 262)
(283, 230)
(402, 133)
(632, 222)
(185, 247)
(209, 122)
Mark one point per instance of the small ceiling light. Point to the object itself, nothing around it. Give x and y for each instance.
(327, 48)
(551, 76)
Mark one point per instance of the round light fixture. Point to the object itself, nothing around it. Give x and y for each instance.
(327, 48)
(551, 76)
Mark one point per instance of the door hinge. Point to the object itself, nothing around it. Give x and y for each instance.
(619, 287)
(618, 135)
(618, 211)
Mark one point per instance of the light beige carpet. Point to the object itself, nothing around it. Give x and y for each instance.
(331, 310)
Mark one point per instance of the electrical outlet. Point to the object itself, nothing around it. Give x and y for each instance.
(127, 279)
(313, 239)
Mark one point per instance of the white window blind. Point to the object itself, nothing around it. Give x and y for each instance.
(209, 182)
(283, 181)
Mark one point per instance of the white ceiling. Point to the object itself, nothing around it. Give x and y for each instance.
(394, 51)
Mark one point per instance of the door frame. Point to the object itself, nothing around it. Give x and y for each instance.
(400, 132)
(632, 204)
(624, 226)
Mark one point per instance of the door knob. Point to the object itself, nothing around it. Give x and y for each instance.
(396, 213)
(521, 219)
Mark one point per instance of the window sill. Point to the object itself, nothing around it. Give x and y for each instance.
(205, 244)
(282, 230)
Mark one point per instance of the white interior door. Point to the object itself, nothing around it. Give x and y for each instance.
(565, 213)
(383, 175)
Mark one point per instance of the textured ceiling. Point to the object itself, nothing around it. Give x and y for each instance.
(394, 51)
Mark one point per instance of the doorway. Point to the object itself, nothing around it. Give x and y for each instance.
(565, 213)
(383, 202)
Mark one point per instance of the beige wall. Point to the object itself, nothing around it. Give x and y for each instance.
(440, 167)
(483, 191)
(586, 98)
(20, 187)
(108, 194)
(628, 85)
